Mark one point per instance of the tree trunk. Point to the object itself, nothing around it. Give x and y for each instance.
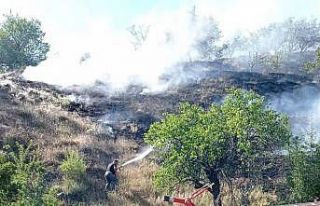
(214, 178)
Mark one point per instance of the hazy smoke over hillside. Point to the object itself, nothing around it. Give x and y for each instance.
(303, 107)
(97, 51)
(115, 60)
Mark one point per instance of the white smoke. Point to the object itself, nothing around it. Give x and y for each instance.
(303, 108)
(113, 59)
(75, 32)
(139, 156)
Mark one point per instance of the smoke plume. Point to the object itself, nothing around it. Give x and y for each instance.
(95, 50)
(86, 48)
(303, 108)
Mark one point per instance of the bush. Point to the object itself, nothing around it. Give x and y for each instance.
(73, 166)
(305, 175)
(50, 198)
(22, 176)
(7, 190)
(73, 169)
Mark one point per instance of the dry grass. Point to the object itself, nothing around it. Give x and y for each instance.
(36, 114)
(55, 131)
(136, 188)
(253, 195)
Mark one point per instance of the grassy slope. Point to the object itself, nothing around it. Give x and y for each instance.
(34, 111)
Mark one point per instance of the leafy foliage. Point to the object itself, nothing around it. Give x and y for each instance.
(21, 43)
(7, 190)
(50, 197)
(22, 177)
(73, 168)
(305, 176)
(197, 144)
(314, 66)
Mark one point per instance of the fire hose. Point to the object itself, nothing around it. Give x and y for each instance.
(189, 200)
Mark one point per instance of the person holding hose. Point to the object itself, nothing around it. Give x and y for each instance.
(111, 176)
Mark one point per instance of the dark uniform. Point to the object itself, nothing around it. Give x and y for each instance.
(111, 176)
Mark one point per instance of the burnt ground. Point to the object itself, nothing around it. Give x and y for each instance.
(131, 113)
(35, 112)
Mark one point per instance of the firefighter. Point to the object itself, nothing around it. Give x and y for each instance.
(111, 176)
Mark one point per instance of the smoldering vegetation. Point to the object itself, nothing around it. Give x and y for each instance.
(271, 61)
(131, 113)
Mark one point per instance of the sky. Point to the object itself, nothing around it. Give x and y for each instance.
(74, 27)
(72, 15)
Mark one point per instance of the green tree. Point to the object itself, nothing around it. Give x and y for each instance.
(305, 175)
(21, 43)
(199, 145)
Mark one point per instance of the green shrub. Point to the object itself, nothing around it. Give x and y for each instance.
(50, 198)
(73, 166)
(73, 169)
(305, 175)
(22, 177)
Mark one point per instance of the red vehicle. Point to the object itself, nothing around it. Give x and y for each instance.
(188, 201)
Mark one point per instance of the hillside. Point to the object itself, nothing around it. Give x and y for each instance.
(130, 113)
(33, 111)
(103, 127)
(159, 103)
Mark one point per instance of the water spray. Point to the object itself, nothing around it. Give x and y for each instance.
(139, 156)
